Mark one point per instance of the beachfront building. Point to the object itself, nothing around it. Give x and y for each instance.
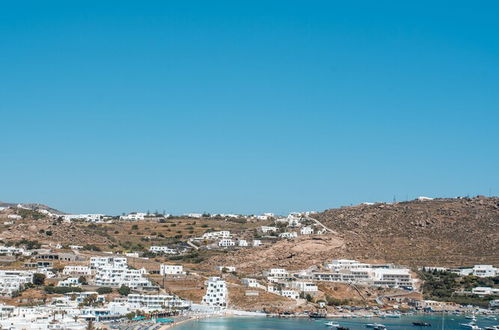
(352, 271)
(162, 249)
(76, 270)
(226, 242)
(14, 280)
(156, 301)
(171, 269)
(216, 292)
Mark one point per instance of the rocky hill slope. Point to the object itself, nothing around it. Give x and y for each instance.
(444, 232)
(452, 232)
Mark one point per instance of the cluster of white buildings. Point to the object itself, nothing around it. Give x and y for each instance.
(134, 216)
(476, 270)
(216, 235)
(352, 271)
(12, 281)
(114, 272)
(77, 270)
(162, 249)
(12, 250)
(171, 270)
(485, 291)
(83, 217)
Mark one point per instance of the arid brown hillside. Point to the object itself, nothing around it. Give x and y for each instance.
(452, 232)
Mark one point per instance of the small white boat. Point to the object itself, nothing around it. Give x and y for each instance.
(377, 326)
(332, 324)
(472, 325)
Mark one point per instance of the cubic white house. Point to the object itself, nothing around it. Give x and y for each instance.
(216, 292)
(171, 270)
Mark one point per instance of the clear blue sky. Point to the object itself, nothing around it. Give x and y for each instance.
(246, 106)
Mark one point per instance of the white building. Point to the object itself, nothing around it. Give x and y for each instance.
(265, 216)
(100, 262)
(252, 283)
(156, 301)
(171, 270)
(228, 269)
(276, 273)
(162, 249)
(288, 235)
(83, 217)
(14, 280)
(485, 271)
(216, 234)
(226, 242)
(290, 294)
(257, 242)
(116, 277)
(352, 271)
(12, 250)
(134, 216)
(477, 270)
(242, 243)
(69, 282)
(306, 230)
(268, 229)
(114, 272)
(76, 270)
(341, 264)
(216, 292)
(307, 287)
(485, 291)
(193, 215)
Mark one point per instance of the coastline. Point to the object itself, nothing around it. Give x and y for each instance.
(191, 319)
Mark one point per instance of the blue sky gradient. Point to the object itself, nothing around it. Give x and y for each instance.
(246, 106)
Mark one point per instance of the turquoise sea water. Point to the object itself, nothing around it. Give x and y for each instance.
(450, 322)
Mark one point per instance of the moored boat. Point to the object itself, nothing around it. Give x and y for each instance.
(332, 324)
(421, 324)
